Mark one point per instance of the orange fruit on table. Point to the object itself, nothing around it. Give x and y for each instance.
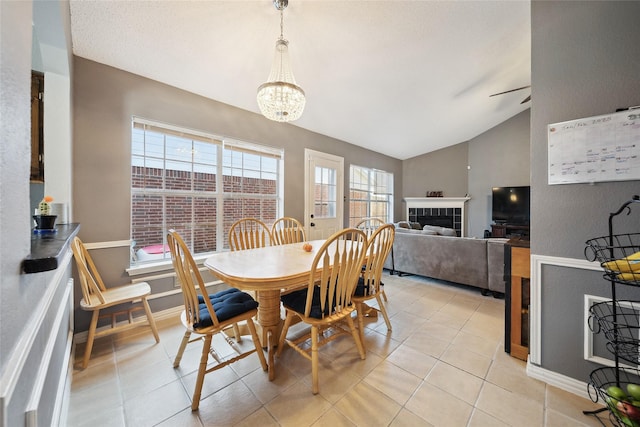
(307, 247)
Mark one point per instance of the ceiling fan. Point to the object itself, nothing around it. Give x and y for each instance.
(527, 99)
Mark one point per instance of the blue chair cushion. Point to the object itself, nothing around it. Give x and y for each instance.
(227, 304)
(297, 301)
(362, 289)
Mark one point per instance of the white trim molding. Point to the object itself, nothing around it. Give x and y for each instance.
(439, 203)
(107, 245)
(537, 263)
(563, 382)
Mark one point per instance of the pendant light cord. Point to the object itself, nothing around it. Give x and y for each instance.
(281, 23)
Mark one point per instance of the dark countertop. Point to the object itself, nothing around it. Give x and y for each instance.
(520, 241)
(48, 248)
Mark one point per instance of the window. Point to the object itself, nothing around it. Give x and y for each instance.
(324, 205)
(199, 185)
(370, 194)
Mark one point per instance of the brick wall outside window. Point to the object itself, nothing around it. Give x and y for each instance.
(364, 202)
(182, 211)
(198, 184)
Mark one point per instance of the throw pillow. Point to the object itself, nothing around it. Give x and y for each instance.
(429, 232)
(448, 232)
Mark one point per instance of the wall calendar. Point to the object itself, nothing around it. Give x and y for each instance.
(595, 149)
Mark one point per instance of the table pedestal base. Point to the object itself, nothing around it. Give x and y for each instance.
(269, 324)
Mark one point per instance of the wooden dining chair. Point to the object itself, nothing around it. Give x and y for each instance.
(287, 230)
(208, 315)
(369, 284)
(326, 302)
(96, 297)
(249, 233)
(369, 226)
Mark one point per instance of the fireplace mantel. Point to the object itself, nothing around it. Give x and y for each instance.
(435, 202)
(438, 203)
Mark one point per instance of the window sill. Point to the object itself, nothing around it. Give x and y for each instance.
(48, 249)
(160, 266)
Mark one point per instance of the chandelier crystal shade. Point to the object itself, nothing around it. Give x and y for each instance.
(280, 98)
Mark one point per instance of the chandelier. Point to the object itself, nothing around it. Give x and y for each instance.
(280, 99)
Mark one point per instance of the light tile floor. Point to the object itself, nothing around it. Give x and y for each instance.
(442, 365)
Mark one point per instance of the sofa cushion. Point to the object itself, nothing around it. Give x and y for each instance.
(429, 232)
(403, 224)
(442, 231)
(410, 231)
(415, 225)
(495, 264)
(455, 259)
(448, 232)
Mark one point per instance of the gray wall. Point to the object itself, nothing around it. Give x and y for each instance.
(498, 157)
(585, 62)
(106, 98)
(442, 170)
(28, 302)
(16, 297)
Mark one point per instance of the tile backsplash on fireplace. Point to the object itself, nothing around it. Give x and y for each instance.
(442, 211)
(441, 217)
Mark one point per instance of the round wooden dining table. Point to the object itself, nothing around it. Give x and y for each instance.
(268, 271)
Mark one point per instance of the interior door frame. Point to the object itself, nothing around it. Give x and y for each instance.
(309, 155)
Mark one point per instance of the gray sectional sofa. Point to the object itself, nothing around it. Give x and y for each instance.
(435, 252)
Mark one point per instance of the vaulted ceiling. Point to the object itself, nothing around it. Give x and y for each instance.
(402, 78)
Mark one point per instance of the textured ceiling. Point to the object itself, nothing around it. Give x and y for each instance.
(399, 77)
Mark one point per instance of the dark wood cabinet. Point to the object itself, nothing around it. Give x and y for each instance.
(517, 262)
(508, 230)
(37, 136)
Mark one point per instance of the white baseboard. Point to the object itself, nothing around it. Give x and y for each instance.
(563, 382)
(173, 312)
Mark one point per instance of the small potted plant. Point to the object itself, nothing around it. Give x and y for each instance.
(44, 219)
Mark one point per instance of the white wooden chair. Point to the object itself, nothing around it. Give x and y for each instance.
(369, 284)
(287, 230)
(249, 233)
(207, 315)
(369, 226)
(326, 303)
(96, 297)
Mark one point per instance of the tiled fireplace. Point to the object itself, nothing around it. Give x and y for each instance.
(440, 211)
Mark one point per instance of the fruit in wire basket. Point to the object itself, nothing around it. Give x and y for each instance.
(616, 393)
(629, 414)
(624, 265)
(611, 404)
(629, 277)
(634, 391)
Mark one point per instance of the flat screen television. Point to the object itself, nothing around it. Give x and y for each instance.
(510, 205)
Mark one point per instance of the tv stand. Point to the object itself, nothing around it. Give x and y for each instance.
(509, 230)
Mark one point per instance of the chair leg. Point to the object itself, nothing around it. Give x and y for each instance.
(201, 371)
(356, 337)
(90, 337)
(183, 346)
(383, 310)
(384, 295)
(283, 334)
(360, 315)
(314, 360)
(150, 319)
(236, 332)
(256, 342)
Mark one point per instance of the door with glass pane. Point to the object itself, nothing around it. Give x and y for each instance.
(324, 202)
